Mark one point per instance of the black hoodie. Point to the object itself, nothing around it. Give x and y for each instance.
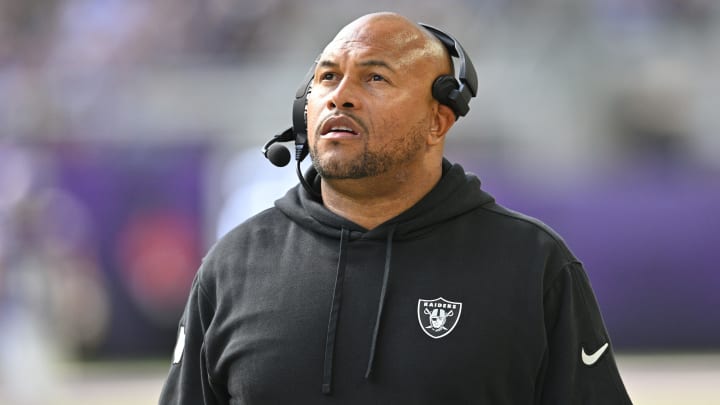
(455, 301)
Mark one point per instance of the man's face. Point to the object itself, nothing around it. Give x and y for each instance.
(370, 107)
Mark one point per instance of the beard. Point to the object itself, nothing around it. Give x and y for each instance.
(371, 163)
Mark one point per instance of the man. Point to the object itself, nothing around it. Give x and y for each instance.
(396, 280)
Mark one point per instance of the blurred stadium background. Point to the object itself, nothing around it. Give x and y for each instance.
(130, 135)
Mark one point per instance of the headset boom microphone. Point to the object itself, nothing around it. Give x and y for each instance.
(278, 154)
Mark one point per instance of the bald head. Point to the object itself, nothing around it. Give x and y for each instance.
(415, 49)
(371, 114)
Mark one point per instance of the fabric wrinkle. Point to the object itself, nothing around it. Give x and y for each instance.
(381, 301)
(334, 314)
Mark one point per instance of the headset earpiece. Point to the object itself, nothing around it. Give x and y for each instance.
(444, 90)
(299, 114)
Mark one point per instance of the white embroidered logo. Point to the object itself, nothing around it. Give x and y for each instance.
(590, 359)
(438, 317)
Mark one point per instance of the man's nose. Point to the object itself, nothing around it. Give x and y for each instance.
(344, 96)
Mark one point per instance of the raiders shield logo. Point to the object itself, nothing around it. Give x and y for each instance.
(438, 317)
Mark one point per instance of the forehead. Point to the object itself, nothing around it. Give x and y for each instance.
(396, 46)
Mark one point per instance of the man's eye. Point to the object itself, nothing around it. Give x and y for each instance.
(327, 76)
(376, 78)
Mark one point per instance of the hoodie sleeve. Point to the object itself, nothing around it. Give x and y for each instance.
(579, 365)
(188, 381)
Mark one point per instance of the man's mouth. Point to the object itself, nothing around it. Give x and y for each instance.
(339, 126)
(341, 130)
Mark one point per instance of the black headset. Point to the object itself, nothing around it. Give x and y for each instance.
(446, 89)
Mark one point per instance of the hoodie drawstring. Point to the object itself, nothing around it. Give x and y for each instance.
(335, 309)
(381, 303)
(334, 313)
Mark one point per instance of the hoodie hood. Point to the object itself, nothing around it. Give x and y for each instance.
(456, 193)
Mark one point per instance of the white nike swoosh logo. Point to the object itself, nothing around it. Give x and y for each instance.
(590, 359)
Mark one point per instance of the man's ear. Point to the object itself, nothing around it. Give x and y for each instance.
(443, 120)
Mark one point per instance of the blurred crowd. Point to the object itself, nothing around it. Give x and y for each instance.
(566, 87)
(597, 75)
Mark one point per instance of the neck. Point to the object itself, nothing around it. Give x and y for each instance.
(372, 201)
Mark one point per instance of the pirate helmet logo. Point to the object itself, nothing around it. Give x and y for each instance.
(438, 317)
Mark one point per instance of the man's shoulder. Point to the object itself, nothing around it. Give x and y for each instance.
(250, 231)
(520, 220)
(252, 238)
(516, 223)
(268, 218)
